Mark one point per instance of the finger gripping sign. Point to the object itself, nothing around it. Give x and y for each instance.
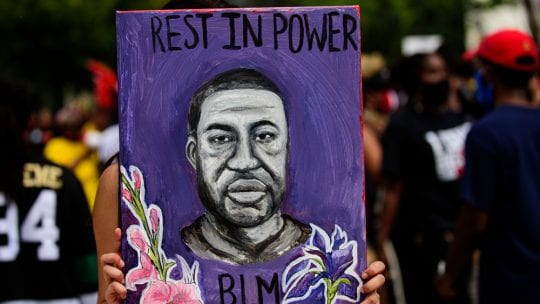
(241, 155)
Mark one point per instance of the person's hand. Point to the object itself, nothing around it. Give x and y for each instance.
(443, 285)
(112, 271)
(373, 280)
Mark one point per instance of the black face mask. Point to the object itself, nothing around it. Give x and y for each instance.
(434, 94)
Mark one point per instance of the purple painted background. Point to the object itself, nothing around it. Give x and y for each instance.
(321, 91)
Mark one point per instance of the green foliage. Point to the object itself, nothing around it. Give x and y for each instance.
(383, 24)
(47, 42)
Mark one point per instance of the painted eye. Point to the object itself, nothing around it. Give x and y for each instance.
(220, 139)
(265, 137)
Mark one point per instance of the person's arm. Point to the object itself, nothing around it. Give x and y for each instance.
(105, 221)
(372, 153)
(469, 230)
(393, 169)
(478, 190)
(390, 205)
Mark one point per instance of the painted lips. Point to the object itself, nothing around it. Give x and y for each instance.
(246, 191)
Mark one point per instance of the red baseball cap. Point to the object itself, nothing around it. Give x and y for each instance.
(510, 49)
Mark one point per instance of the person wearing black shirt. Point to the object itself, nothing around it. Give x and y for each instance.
(422, 165)
(47, 250)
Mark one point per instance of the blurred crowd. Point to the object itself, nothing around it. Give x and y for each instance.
(417, 116)
(418, 113)
(83, 133)
(50, 163)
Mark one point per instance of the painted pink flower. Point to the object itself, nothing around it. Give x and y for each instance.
(126, 195)
(153, 268)
(137, 237)
(143, 274)
(186, 293)
(155, 218)
(171, 292)
(137, 178)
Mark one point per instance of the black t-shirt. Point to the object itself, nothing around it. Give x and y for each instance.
(425, 152)
(47, 248)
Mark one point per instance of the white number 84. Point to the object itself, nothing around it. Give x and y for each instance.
(39, 226)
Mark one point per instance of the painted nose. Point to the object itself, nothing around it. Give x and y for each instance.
(243, 158)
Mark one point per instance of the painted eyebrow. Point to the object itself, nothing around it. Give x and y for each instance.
(216, 126)
(264, 123)
(244, 108)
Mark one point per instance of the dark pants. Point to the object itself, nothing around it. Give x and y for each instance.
(419, 256)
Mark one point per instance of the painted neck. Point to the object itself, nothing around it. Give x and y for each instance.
(249, 236)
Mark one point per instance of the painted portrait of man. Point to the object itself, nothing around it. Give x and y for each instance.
(238, 145)
(241, 155)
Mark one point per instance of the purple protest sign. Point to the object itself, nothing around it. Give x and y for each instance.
(241, 155)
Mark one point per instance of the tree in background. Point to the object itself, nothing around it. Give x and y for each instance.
(47, 42)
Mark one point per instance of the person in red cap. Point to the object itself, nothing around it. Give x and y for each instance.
(501, 186)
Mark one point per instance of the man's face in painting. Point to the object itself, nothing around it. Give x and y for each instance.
(240, 155)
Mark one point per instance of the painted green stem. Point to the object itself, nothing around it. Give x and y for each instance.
(332, 288)
(140, 211)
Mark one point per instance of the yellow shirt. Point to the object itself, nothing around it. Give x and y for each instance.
(67, 153)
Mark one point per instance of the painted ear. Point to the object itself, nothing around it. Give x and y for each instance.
(191, 151)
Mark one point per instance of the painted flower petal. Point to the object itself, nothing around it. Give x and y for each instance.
(176, 272)
(319, 238)
(321, 255)
(137, 238)
(289, 277)
(315, 296)
(301, 286)
(156, 292)
(182, 271)
(126, 195)
(342, 259)
(179, 300)
(320, 276)
(155, 218)
(288, 274)
(339, 237)
(142, 274)
(350, 291)
(137, 177)
(184, 293)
